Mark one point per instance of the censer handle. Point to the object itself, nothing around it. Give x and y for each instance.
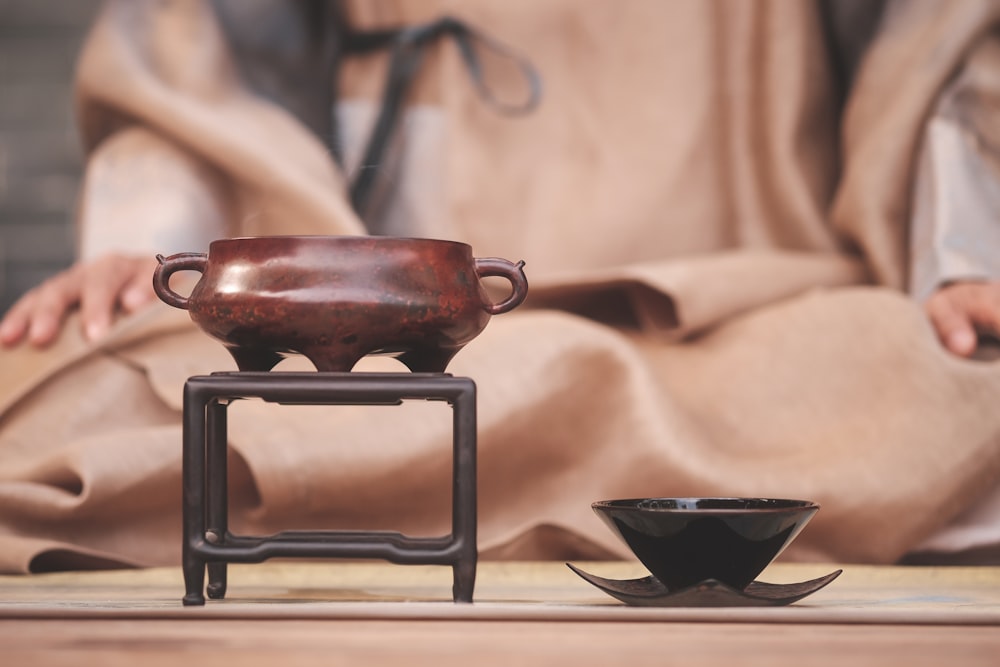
(185, 261)
(493, 266)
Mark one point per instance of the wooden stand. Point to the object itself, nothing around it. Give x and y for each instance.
(207, 540)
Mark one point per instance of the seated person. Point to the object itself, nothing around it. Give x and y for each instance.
(759, 238)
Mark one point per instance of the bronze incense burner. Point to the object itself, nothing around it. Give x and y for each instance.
(336, 299)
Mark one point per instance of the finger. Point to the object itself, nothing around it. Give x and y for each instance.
(136, 296)
(104, 281)
(953, 324)
(14, 326)
(983, 306)
(53, 299)
(138, 291)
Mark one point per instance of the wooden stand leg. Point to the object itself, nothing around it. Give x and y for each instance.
(218, 491)
(464, 500)
(194, 482)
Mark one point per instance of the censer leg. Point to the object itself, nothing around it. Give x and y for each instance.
(254, 359)
(334, 359)
(428, 359)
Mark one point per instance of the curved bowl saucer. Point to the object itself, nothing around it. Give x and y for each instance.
(650, 592)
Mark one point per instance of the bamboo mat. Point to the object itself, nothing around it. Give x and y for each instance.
(544, 591)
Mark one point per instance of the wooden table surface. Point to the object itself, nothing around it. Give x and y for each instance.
(336, 613)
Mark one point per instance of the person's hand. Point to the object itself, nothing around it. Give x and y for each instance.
(100, 288)
(962, 311)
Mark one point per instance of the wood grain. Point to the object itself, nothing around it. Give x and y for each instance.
(292, 614)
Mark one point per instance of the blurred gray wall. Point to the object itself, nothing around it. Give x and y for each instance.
(40, 159)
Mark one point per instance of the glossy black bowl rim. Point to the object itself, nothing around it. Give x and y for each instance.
(780, 505)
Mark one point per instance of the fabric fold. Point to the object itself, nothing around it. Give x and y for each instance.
(166, 66)
(682, 297)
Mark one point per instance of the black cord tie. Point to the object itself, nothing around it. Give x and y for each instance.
(408, 46)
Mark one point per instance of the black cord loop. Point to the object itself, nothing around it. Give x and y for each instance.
(408, 46)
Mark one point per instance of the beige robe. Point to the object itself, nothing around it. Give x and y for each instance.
(715, 255)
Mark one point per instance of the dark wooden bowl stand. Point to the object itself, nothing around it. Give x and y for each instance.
(208, 544)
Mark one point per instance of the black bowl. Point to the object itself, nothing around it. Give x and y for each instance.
(685, 541)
